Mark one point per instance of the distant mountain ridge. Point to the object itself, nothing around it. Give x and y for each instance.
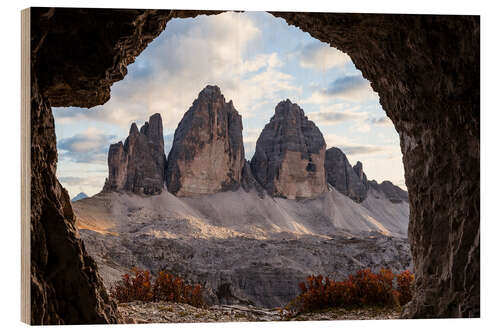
(79, 196)
(207, 156)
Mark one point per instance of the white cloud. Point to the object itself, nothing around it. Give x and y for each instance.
(321, 56)
(168, 75)
(89, 146)
(89, 184)
(380, 121)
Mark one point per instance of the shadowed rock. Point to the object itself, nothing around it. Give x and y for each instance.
(348, 180)
(394, 193)
(352, 181)
(138, 165)
(290, 155)
(207, 154)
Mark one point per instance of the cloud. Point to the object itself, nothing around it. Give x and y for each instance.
(90, 184)
(381, 121)
(321, 56)
(64, 116)
(186, 57)
(362, 149)
(332, 116)
(90, 146)
(353, 148)
(350, 87)
(261, 61)
(71, 181)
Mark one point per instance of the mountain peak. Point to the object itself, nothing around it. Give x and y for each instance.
(79, 196)
(287, 108)
(138, 165)
(133, 129)
(290, 154)
(210, 91)
(207, 154)
(348, 180)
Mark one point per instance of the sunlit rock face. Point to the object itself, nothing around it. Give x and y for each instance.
(138, 165)
(290, 155)
(207, 154)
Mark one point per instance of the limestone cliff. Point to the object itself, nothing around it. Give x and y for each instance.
(207, 154)
(348, 180)
(138, 165)
(290, 155)
(352, 181)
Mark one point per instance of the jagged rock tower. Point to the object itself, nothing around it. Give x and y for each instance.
(348, 180)
(290, 155)
(138, 165)
(207, 154)
(352, 181)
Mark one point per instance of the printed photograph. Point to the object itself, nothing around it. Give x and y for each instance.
(241, 166)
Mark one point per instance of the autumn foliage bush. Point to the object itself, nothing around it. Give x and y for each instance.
(363, 288)
(166, 287)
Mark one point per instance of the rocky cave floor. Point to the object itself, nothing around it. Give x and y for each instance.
(168, 312)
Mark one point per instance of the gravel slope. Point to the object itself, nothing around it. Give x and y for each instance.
(243, 248)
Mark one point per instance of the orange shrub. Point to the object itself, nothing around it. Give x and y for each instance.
(166, 287)
(362, 288)
(405, 286)
(137, 288)
(170, 288)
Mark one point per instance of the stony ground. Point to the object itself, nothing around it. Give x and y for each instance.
(243, 249)
(167, 312)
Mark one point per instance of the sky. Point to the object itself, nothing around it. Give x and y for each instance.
(257, 60)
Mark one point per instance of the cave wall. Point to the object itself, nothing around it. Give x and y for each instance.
(74, 61)
(76, 55)
(65, 286)
(425, 69)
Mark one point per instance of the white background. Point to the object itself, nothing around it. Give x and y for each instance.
(10, 163)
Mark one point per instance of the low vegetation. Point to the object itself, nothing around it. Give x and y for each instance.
(166, 287)
(365, 288)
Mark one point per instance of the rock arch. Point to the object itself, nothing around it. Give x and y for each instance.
(425, 69)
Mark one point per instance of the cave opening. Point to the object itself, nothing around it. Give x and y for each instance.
(257, 60)
(401, 95)
(283, 84)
